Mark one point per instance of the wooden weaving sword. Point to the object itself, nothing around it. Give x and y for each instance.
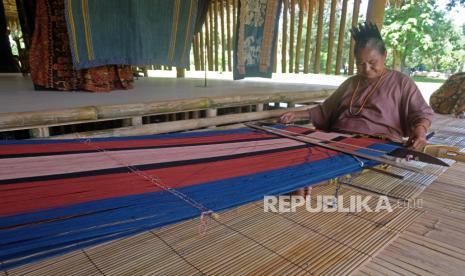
(308, 140)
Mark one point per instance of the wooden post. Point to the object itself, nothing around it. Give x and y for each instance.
(340, 42)
(202, 50)
(308, 37)
(275, 55)
(136, 121)
(352, 42)
(223, 38)
(208, 36)
(284, 38)
(332, 20)
(195, 46)
(42, 132)
(375, 12)
(291, 38)
(260, 107)
(228, 33)
(212, 112)
(215, 33)
(234, 16)
(299, 36)
(319, 35)
(180, 72)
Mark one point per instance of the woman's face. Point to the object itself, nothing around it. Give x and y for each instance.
(370, 63)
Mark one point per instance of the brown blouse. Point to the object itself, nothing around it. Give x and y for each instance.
(391, 111)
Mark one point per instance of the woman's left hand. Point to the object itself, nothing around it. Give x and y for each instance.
(418, 138)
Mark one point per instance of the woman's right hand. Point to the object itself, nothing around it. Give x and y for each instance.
(288, 117)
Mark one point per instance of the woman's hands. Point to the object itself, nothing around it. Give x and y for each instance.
(289, 117)
(418, 138)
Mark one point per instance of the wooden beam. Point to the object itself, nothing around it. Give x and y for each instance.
(234, 25)
(319, 36)
(308, 39)
(215, 32)
(202, 49)
(352, 42)
(291, 37)
(340, 42)
(181, 125)
(180, 72)
(209, 37)
(375, 12)
(223, 38)
(195, 46)
(228, 32)
(299, 36)
(284, 37)
(332, 20)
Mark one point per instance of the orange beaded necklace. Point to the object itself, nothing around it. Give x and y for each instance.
(372, 91)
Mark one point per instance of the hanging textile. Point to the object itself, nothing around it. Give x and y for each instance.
(50, 57)
(62, 195)
(135, 32)
(202, 9)
(256, 35)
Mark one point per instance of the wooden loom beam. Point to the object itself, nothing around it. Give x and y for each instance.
(313, 141)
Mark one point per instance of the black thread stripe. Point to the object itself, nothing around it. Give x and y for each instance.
(37, 154)
(144, 167)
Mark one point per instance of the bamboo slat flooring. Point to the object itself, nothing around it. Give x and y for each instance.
(408, 188)
(244, 240)
(434, 244)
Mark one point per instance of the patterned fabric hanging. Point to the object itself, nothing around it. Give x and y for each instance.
(257, 32)
(135, 32)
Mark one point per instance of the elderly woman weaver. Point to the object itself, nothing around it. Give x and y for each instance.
(377, 101)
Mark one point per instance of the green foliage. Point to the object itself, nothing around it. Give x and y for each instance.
(422, 34)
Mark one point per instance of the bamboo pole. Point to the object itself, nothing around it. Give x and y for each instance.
(180, 72)
(291, 37)
(275, 55)
(308, 37)
(332, 20)
(181, 125)
(340, 43)
(195, 47)
(202, 52)
(299, 36)
(223, 38)
(352, 42)
(215, 33)
(228, 32)
(234, 26)
(209, 38)
(284, 38)
(319, 35)
(375, 12)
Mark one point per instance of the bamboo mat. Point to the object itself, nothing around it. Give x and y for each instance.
(435, 243)
(408, 188)
(449, 131)
(244, 240)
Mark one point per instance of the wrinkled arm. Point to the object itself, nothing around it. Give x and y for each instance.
(418, 115)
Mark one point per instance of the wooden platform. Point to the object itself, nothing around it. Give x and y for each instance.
(153, 100)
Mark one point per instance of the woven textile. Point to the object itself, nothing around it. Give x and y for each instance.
(257, 31)
(62, 195)
(134, 32)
